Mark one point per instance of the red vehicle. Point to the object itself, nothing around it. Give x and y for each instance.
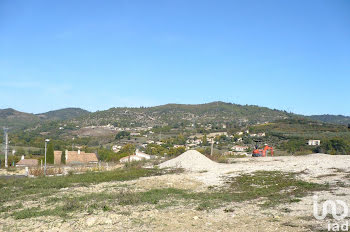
(262, 152)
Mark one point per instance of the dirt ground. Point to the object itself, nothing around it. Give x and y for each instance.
(241, 216)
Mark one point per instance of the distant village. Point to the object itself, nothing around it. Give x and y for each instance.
(145, 136)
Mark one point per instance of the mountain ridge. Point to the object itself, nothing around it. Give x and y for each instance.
(63, 114)
(329, 118)
(171, 113)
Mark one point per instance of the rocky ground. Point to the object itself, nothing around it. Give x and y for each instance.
(184, 216)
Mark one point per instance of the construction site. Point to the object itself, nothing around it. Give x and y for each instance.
(175, 115)
(191, 193)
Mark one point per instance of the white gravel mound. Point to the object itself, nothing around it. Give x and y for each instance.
(191, 160)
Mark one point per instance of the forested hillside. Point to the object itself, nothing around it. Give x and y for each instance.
(63, 114)
(16, 119)
(336, 119)
(172, 114)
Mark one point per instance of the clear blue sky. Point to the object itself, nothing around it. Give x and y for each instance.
(290, 55)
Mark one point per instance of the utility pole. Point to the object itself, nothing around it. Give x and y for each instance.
(6, 146)
(46, 141)
(212, 147)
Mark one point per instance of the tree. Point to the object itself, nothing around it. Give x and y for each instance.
(50, 158)
(335, 146)
(294, 145)
(63, 157)
(108, 155)
(204, 140)
(128, 149)
(176, 151)
(122, 134)
(20, 151)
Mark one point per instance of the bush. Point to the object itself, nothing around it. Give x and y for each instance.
(204, 151)
(335, 146)
(122, 134)
(162, 150)
(12, 160)
(36, 172)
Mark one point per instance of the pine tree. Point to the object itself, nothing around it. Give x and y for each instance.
(63, 157)
(205, 140)
(50, 158)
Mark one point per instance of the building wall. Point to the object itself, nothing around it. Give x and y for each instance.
(57, 157)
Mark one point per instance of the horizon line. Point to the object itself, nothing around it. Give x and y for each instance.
(157, 105)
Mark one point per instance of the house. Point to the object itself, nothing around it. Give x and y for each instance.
(137, 157)
(177, 146)
(214, 134)
(27, 162)
(130, 158)
(141, 154)
(135, 134)
(190, 145)
(116, 148)
(239, 148)
(76, 157)
(144, 145)
(314, 142)
(263, 134)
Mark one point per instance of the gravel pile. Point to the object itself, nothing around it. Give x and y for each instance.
(191, 160)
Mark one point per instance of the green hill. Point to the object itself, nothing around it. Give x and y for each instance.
(335, 119)
(18, 120)
(171, 114)
(15, 119)
(63, 114)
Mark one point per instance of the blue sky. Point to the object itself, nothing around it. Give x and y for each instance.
(289, 55)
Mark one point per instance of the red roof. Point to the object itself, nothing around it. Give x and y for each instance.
(75, 157)
(27, 162)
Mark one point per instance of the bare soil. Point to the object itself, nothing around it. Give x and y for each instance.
(236, 216)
